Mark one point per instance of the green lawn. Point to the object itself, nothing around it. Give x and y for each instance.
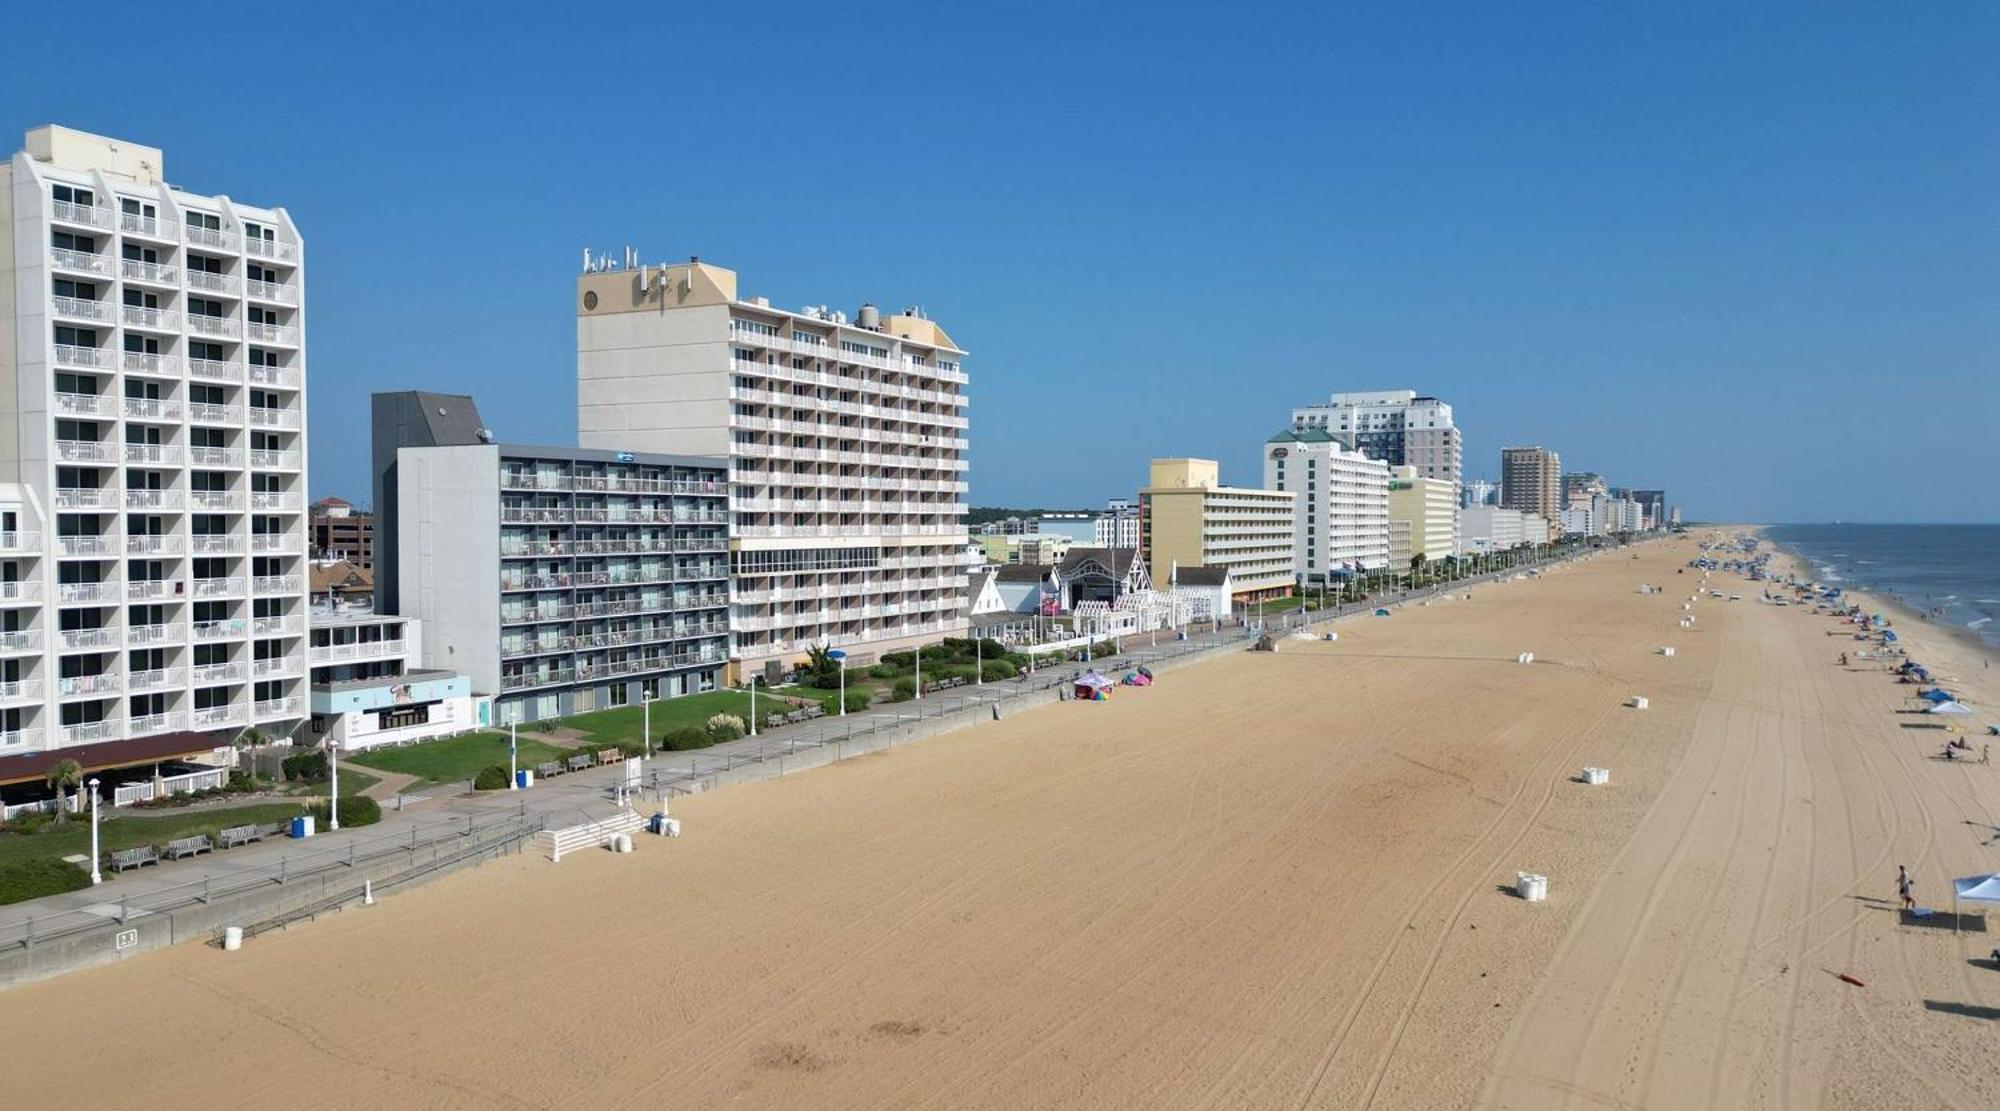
(453, 760)
(123, 829)
(625, 722)
(353, 781)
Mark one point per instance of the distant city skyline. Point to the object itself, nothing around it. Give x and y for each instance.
(1753, 268)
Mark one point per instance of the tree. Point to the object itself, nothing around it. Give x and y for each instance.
(822, 670)
(64, 779)
(1416, 565)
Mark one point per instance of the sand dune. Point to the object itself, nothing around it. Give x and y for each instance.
(1270, 881)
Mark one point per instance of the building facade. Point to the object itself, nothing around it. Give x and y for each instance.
(367, 689)
(1342, 525)
(1397, 427)
(845, 442)
(1490, 528)
(560, 580)
(1429, 513)
(1531, 481)
(336, 531)
(152, 479)
(1187, 518)
(1118, 527)
(1478, 491)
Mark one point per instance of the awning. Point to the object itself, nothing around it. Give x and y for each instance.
(34, 767)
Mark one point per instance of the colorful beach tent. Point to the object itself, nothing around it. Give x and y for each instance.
(1091, 687)
(1381, 613)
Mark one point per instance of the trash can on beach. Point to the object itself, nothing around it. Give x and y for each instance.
(302, 826)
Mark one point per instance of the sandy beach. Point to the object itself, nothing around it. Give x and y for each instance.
(1270, 881)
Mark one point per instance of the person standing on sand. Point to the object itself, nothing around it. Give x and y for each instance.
(1904, 888)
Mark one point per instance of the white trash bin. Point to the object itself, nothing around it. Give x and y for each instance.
(1597, 777)
(1534, 888)
(232, 938)
(622, 843)
(1639, 702)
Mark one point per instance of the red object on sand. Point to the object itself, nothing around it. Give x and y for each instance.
(1852, 980)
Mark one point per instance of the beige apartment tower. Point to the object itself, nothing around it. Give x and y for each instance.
(1531, 481)
(845, 440)
(1188, 518)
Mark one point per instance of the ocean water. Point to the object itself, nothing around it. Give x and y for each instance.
(1949, 572)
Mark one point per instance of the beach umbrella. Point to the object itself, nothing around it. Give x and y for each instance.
(1973, 889)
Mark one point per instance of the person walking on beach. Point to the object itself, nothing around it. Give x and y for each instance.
(1904, 888)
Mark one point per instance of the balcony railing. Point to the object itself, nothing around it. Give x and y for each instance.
(154, 544)
(272, 248)
(214, 499)
(215, 543)
(84, 545)
(156, 679)
(84, 262)
(276, 708)
(277, 584)
(138, 223)
(358, 650)
(21, 690)
(286, 459)
(20, 590)
(152, 408)
(214, 325)
(537, 679)
(102, 683)
(89, 215)
(81, 308)
(282, 376)
(273, 418)
(272, 667)
(140, 590)
(275, 292)
(173, 721)
(87, 732)
(24, 640)
(212, 370)
(139, 362)
(217, 588)
(85, 593)
(285, 334)
(216, 717)
(157, 273)
(210, 674)
(280, 500)
(159, 320)
(217, 630)
(210, 237)
(94, 358)
(277, 541)
(81, 639)
(78, 497)
(215, 457)
(166, 455)
(276, 626)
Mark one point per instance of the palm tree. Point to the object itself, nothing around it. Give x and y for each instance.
(820, 663)
(63, 779)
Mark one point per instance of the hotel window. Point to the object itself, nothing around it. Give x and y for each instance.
(72, 194)
(204, 220)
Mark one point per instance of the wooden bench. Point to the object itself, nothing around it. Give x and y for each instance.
(189, 846)
(549, 770)
(578, 762)
(133, 858)
(240, 835)
(609, 756)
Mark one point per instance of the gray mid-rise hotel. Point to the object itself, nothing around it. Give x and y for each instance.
(560, 579)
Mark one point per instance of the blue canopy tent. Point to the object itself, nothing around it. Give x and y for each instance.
(1935, 694)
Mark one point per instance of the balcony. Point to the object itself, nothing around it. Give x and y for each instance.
(84, 546)
(152, 634)
(210, 237)
(24, 640)
(152, 273)
(152, 408)
(208, 281)
(83, 640)
(217, 630)
(358, 650)
(166, 366)
(211, 674)
(138, 223)
(284, 460)
(538, 679)
(21, 690)
(212, 370)
(148, 725)
(153, 455)
(81, 308)
(283, 377)
(85, 497)
(216, 717)
(80, 262)
(218, 588)
(97, 593)
(87, 215)
(285, 335)
(272, 249)
(141, 590)
(89, 358)
(104, 683)
(283, 501)
(276, 626)
(220, 326)
(272, 667)
(533, 515)
(215, 499)
(277, 584)
(274, 418)
(87, 732)
(20, 591)
(277, 708)
(278, 293)
(205, 412)
(214, 457)
(277, 542)
(158, 320)
(159, 679)
(154, 544)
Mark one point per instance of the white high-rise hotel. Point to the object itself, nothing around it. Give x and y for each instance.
(152, 455)
(845, 440)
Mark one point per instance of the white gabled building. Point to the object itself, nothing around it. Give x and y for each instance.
(1343, 511)
(152, 539)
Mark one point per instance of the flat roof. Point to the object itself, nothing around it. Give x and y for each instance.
(604, 455)
(419, 676)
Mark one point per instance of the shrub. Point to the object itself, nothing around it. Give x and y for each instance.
(684, 738)
(492, 777)
(898, 660)
(305, 767)
(631, 748)
(32, 879)
(240, 780)
(941, 654)
(886, 671)
(725, 727)
(856, 700)
(993, 670)
(360, 810)
(904, 690)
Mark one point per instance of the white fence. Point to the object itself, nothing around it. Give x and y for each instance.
(591, 834)
(204, 780)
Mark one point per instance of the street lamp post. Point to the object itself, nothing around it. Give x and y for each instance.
(917, 655)
(840, 657)
(753, 705)
(333, 786)
(513, 757)
(96, 869)
(646, 720)
(978, 660)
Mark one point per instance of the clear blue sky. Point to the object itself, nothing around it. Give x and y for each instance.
(1750, 253)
